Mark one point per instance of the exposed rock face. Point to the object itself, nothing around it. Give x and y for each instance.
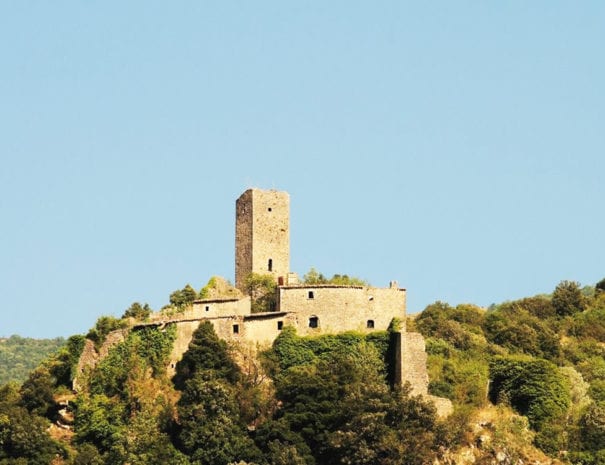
(497, 436)
(219, 288)
(90, 356)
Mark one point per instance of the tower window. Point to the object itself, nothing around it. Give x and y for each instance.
(207, 308)
(313, 322)
(235, 329)
(370, 324)
(280, 325)
(270, 265)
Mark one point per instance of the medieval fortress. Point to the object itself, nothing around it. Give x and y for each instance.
(262, 246)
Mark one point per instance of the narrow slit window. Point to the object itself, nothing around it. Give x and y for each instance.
(270, 264)
(207, 308)
(280, 325)
(235, 329)
(313, 322)
(370, 324)
(311, 295)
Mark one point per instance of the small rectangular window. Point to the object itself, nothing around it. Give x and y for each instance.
(370, 324)
(270, 265)
(280, 325)
(311, 295)
(313, 322)
(207, 308)
(235, 329)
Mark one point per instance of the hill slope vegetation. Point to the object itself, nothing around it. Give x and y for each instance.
(527, 379)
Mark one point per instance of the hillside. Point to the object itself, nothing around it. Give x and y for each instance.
(328, 399)
(20, 355)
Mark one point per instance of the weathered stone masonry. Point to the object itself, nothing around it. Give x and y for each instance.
(262, 234)
(262, 245)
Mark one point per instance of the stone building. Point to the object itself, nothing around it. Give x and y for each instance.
(262, 234)
(262, 246)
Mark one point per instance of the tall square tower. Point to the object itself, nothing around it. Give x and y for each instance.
(262, 234)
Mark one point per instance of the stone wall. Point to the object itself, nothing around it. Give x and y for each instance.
(262, 234)
(213, 308)
(410, 367)
(342, 308)
(410, 362)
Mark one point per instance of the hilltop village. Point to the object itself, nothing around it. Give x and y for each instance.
(262, 247)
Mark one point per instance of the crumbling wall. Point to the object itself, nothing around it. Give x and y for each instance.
(410, 367)
(90, 356)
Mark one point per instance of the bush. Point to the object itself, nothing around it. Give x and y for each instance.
(183, 297)
(103, 327)
(534, 387)
(261, 289)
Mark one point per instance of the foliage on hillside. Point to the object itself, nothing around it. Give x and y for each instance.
(20, 355)
(328, 400)
(544, 356)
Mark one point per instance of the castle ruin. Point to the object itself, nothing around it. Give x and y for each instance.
(262, 246)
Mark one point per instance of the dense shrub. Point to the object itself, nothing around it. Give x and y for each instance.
(535, 388)
(103, 327)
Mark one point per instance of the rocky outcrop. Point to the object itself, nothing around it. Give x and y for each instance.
(91, 356)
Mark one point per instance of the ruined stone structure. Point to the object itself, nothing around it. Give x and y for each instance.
(262, 246)
(262, 234)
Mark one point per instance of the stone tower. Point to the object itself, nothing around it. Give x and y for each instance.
(262, 234)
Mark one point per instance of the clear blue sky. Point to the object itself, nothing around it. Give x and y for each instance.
(457, 147)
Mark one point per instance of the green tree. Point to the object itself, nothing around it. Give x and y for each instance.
(63, 364)
(206, 353)
(261, 289)
(592, 427)
(314, 277)
(37, 392)
(343, 408)
(513, 327)
(183, 297)
(567, 298)
(600, 286)
(535, 388)
(137, 311)
(88, 455)
(99, 420)
(210, 432)
(25, 436)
